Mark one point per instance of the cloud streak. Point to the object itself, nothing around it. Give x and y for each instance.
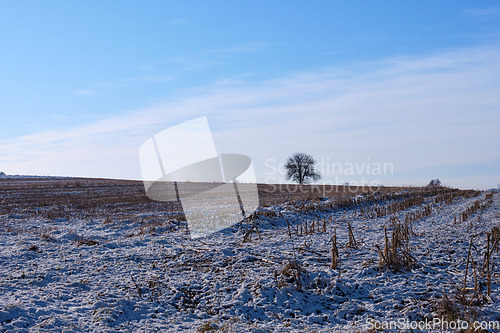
(250, 47)
(427, 112)
(208, 58)
(490, 12)
(82, 92)
(128, 81)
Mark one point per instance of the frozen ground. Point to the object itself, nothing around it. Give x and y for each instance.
(140, 271)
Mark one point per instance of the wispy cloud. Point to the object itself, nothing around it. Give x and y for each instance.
(423, 112)
(128, 81)
(207, 58)
(483, 13)
(250, 47)
(188, 63)
(228, 81)
(150, 78)
(82, 92)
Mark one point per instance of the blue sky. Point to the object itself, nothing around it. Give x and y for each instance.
(415, 84)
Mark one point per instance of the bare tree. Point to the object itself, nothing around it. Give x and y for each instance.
(434, 182)
(300, 168)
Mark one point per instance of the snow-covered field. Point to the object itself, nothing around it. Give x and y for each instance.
(141, 271)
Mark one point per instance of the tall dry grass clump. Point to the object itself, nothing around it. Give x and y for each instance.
(396, 254)
(335, 251)
(351, 243)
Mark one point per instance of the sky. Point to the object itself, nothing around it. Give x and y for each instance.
(392, 92)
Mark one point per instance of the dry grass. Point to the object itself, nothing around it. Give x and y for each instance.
(86, 241)
(351, 243)
(118, 199)
(291, 274)
(461, 306)
(335, 251)
(476, 206)
(47, 237)
(248, 234)
(396, 255)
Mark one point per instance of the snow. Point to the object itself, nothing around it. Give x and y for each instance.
(144, 272)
